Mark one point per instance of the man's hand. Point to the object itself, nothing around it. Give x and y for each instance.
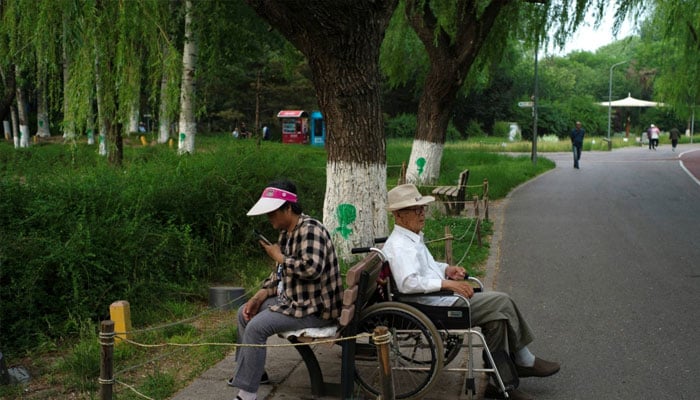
(455, 273)
(462, 288)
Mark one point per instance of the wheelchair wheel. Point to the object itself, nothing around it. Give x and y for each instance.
(416, 352)
(452, 345)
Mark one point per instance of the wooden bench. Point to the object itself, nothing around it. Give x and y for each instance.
(360, 287)
(453, 197)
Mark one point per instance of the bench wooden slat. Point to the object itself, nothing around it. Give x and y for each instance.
(452, 192)
(353, 276)
(440, 190)
(346, 315)
(453, 196)
(350, 295)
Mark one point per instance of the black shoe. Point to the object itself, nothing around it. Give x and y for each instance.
(264, 380)
(541, 368)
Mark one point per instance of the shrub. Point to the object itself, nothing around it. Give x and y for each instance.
(401, 126)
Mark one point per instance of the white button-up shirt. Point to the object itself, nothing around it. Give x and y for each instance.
(413, 267)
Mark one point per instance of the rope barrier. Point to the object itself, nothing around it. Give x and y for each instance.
(186, 320)
(315, 341)
(133, 389)
(468, 248)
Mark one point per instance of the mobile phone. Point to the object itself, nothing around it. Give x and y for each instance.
(261, 237)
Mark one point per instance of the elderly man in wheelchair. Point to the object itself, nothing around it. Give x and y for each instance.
(415, 271)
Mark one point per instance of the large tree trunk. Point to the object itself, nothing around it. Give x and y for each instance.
(188, 124)
(341, 41)
(164, 119)
(68, 125)
(164, 115)
(8, 95)
(22, 113)
(134, 116)
(450, 62)
(42, 113)
(15, 125)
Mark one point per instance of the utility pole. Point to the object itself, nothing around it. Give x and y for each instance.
(533, 156)
(610, 102)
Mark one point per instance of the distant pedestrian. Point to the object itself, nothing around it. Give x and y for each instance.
(674, 135)
(653, 135)
(236, 133)
(245, 133)
(265, 132)
(577, 135)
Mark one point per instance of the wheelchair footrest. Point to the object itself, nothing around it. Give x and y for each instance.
(470, 385)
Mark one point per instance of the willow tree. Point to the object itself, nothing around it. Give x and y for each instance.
(341, 41)
(188, 123)
(18, 47)
(678, 83)
(457, 36)
(116, 41)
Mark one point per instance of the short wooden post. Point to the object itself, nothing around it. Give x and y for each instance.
(476, 206)
(486, 208)
(478, 231)
(448, 245)
(402, 175)
(382, 339)
(106, 358)
(485, 196)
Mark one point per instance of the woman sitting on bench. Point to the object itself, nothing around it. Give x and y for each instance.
(416, 271)
(304, 292)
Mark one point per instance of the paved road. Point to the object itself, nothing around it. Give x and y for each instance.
(605, 262)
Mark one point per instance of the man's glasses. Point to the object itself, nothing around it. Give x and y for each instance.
(417, 210)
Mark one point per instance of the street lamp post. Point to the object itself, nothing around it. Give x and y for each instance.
(533, 156)
(610, 101)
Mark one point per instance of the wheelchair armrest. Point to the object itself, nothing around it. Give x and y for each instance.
(408, 297)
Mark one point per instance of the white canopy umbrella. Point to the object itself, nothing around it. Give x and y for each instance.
(630, 101)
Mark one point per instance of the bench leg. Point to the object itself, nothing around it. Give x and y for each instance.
(315, 374)
(347, 372)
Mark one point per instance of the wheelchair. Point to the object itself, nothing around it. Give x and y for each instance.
(428, 332)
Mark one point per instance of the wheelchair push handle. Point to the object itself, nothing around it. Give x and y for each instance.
(358, 250)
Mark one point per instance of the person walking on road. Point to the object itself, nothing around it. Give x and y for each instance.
(674, 135)
(415, 271)
(653, 134)
(577, 142)
(305, 291)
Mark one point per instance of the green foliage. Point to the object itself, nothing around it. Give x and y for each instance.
(159, 385)
(474, 129)
(401, 126)
(76, 238)
(501, 129)
(82, 363)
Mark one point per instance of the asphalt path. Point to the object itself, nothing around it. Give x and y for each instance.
(604, 262)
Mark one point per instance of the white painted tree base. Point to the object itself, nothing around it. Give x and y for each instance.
(424, 165)
(354, 211)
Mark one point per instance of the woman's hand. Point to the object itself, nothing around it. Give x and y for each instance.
(274, 251)
(252, 306)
